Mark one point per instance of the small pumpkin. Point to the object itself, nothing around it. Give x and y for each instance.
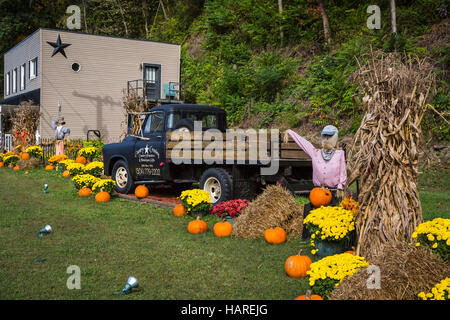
(141, 191)
(66, 174)
(309, 296)
(25, 156)
(2, 164)
(16, 168)
(49, 167)
(81, 160)
(197, 226)
(179, 211)
(85, 192)
(296, 266)
(222, 229)
(320, 197)
(275, 235)
(102, 196)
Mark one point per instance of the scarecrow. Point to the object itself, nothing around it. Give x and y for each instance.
(60, 134)
(329, 169)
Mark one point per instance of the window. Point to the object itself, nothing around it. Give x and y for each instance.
(76, 67)
(172, 119)
(14, 81)
(7, 85)
(208, 120)
(33, 68)
(154, 122)
(22, 77)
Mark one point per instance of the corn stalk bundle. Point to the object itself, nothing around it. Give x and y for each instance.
(384, 152)
(133, 103)
(25, 118)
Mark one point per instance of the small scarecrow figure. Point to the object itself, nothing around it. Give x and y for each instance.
(329, 169)
(60, 134)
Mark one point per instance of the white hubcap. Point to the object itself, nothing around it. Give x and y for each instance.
(121, 177)
(212, 186)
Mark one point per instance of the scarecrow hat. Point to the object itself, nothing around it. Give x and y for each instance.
(60, 120)
(329, 130)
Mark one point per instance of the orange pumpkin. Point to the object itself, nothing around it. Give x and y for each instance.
(197, 226)
(16, 168)
(320, 197)
(296, 266)
(222, 229)
(179, 211)
(49, 167)
(309, 296)
(66, 174)
(102, 197)
(275, 235)
(85, 192)
(81, 160)
(25, 156)
(141, 191)
(1, 164)
(351, 252)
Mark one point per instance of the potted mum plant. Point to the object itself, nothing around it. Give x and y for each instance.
(229, 210)
(196, 202)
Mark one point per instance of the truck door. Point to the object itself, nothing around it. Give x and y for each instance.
(149, 152)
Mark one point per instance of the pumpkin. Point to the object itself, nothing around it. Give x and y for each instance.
(197, 226)
(222, 229)
(25, 156)
(320, 197)
(66, 174)
(296, 266)
(84, 192)
(275, 235)
(16, 168)
(49, 167)
(141, 191)
(179, 211)
(81, 160)
(1, 164)
(309, 296)
(102, 197)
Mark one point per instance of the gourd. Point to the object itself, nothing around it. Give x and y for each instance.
(275, 235)
(2, 164)
(320, 197)
(85, 192)
(197, 226)
(25, 156)
(81, 160)
(102, 196)
(49, 167)
(16, 168)
(66, 174)
(222, 229)
(141, 191)
(309, 296)
(179, 211)
(296, 266)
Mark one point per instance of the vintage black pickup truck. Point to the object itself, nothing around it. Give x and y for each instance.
(151, 156)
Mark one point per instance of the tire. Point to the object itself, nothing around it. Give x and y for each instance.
(184, 124)
(122, 176)
(218, 183)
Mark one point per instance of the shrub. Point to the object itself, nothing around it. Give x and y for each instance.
(84, 180)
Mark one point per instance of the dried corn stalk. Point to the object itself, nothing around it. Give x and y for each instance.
(133, 103)
(25, 118)
(384, 152)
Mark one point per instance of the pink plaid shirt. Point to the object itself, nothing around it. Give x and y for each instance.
(332, 173)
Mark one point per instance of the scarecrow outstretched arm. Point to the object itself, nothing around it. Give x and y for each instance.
(303, 143)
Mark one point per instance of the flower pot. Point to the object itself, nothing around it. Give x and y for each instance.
(229, 219)
(329, 248)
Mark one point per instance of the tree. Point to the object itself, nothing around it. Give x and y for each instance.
(326, 25)
(280, 10)
(393, 17)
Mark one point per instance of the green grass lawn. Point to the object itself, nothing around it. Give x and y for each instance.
(111, 241)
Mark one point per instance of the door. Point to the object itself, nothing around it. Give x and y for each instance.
(149, 152)
(152, 81)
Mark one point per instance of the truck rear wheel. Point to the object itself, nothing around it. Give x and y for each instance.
(218, 183)
(122, 176)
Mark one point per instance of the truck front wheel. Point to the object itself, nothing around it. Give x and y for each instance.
(122, 176)
(218, 183)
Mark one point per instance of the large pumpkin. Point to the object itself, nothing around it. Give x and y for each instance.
(141, 191)
(275, 235)
(25, 156)
(222, 229)
(179, 211)
(81, 160)
(296, 266)
(309, 296)
(49, 167)
(85, 192)
(320, 197)
(1, 164)
(102, 197)
(66, 174)
(197, 226)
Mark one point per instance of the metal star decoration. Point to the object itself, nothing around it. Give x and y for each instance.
(58, 46)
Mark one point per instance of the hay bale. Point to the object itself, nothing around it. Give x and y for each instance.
(275, 207)
(30, 163)
(405, 271)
